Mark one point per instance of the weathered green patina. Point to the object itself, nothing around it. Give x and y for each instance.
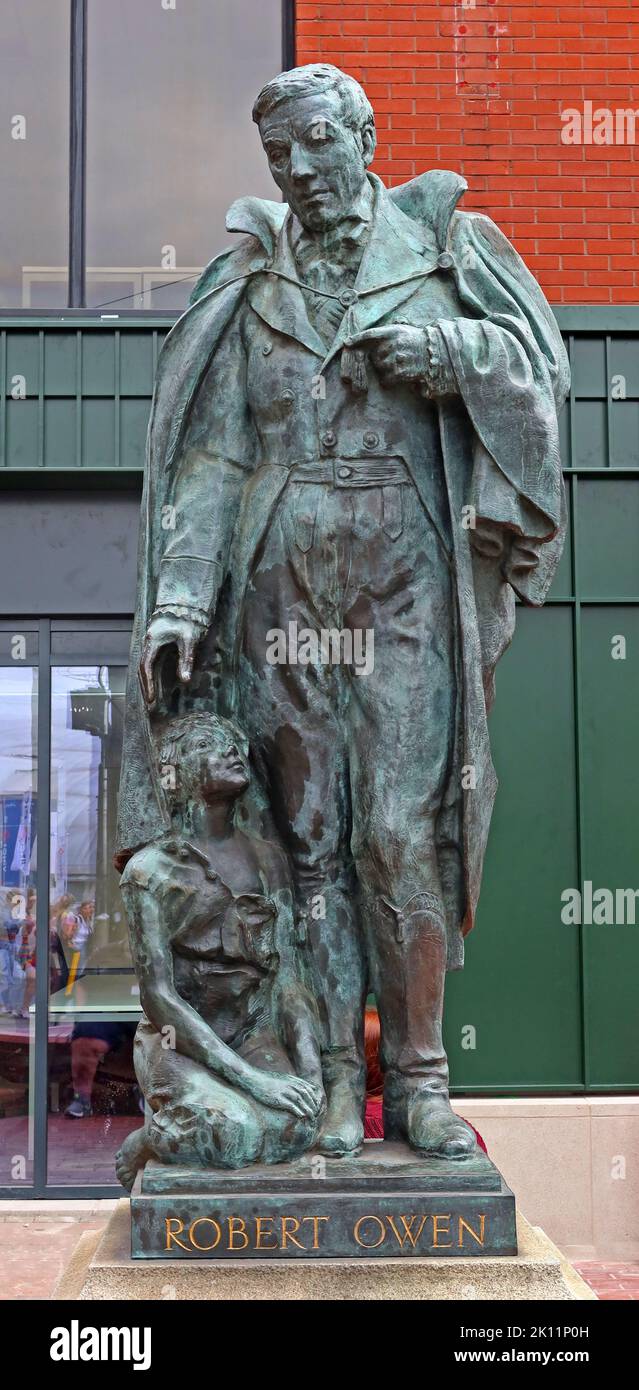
(227, 1052)
(354, 433)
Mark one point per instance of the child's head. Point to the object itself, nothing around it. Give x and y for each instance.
(202, 758)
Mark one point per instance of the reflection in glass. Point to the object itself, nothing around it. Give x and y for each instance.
(94, 1003)
(34, 118)
(170, 139)
(18, 792)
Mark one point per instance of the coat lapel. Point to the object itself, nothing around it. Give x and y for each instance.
(397, 250)
(280, 303)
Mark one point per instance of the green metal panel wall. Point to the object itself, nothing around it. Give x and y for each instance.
(87, 391)
(540, 1005)
(553, 1006)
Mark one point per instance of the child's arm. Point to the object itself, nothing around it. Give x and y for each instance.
(167, 1010)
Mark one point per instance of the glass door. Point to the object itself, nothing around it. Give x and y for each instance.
(18, 899)
(93, 1099)
(69, 1001)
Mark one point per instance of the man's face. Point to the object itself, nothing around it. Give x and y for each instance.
(314, 158)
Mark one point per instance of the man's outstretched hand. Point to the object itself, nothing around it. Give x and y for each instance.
(164, 631)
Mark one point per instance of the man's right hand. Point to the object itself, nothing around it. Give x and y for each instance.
(164, 631)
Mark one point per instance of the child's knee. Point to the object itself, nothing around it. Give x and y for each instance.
(211, 1135)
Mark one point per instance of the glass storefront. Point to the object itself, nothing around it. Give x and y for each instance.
(18, 810)
(34, 153)
(170, 137)
(94, 998)
(69, 1001)
(160, 111)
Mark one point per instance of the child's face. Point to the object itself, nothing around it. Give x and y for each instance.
(217, 763)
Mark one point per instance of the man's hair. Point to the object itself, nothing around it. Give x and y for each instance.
(308, 81)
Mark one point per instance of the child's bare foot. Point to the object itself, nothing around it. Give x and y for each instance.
(133, 1155)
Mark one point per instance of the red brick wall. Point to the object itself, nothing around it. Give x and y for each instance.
(480, 88)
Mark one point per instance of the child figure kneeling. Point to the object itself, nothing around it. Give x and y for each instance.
(226, 1053)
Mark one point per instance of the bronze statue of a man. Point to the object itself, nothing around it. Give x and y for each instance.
(354, 430)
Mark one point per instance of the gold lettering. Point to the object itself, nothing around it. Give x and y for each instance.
(200, 1222)
(290, 1235)
(408, 1230)
(373, 1244)
(463, 1226)
(237, 1227)
(316, 1220)
(445, 1231)
(259, 1220)
(173, 1235)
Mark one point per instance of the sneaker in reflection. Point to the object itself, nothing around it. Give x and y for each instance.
(79, 1109)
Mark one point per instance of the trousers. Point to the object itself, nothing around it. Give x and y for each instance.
(355, 757)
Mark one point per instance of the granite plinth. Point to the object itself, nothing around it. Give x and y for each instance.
(101, 1269)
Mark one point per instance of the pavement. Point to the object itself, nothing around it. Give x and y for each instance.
(35, 1245)
(619, 1281)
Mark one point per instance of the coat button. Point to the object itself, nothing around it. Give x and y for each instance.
(268, 347)
(371, 440)
(329, 439)
(287, 397)
(344, 472)
(445, 260)
(348, 297)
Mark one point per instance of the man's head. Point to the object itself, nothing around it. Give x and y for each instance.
(318, 131)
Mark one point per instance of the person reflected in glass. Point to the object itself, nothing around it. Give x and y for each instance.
(58, 967)
(76, 931)
(9, 929)
(26, 955)
(90, 1043)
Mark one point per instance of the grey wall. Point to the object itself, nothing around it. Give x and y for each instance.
(68, 552)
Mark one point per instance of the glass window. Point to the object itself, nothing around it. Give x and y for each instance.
(34, 119)
(18, 797)
(94, 1002)
(170, 140)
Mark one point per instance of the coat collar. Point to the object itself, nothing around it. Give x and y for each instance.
(276, 297)
(397, 250)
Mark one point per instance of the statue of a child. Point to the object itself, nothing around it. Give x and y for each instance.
(226, 1052)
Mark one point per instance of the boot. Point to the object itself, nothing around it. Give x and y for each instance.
(409, 951)
(426, 1119)
(334, 958)
(342, 1131)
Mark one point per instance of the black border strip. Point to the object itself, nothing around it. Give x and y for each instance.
(288, 34)
(77, 154)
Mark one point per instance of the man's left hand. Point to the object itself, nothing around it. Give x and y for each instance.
(398, 352)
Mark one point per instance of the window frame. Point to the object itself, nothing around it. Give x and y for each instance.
(38, 1107)
(76, 251)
